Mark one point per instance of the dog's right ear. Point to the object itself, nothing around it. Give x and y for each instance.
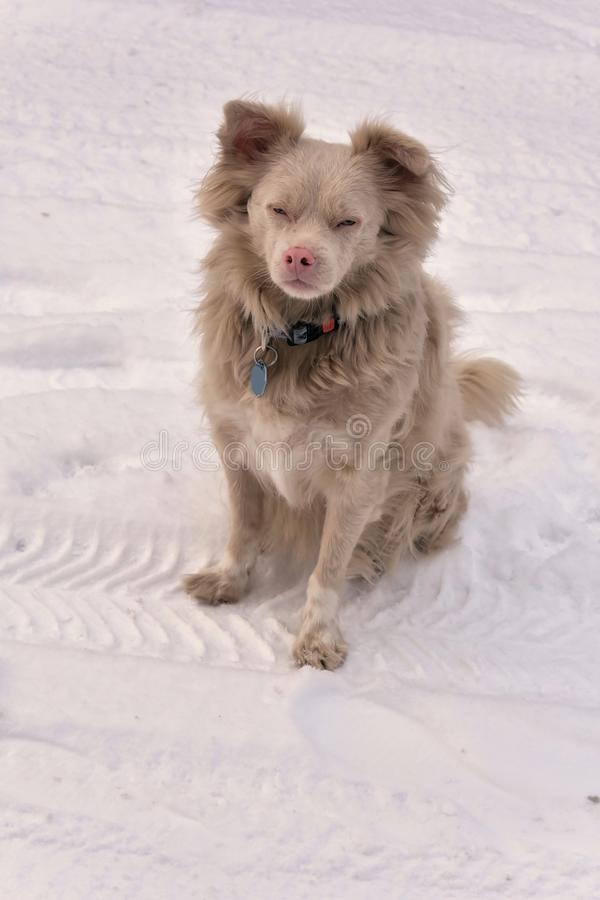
(250, 135)
(251, 131)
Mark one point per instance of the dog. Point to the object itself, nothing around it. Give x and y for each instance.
(336, 403)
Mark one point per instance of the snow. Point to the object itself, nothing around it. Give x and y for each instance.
(152, 748)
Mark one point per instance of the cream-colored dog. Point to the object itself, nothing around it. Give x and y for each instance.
(335, 402)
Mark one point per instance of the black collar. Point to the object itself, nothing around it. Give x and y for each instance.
(305, 332)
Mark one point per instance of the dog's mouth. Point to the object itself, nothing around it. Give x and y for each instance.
(298, 287)
(298, 283)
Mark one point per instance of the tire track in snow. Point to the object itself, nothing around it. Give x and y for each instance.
(250, 639)
(109, 598)
(63, 570)
(120, 594)
(137, 569)
(62, 554)
(110, 560)
(25, 552)
(167, 572)
(92, 588)
(124, 624)
(96, 558)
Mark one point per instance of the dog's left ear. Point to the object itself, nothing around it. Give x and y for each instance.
(392, 147)
(250, 136)
(412, 187)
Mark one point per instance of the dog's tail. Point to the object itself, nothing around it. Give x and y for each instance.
(490, 389)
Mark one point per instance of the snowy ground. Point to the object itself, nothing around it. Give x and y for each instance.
(151, 748)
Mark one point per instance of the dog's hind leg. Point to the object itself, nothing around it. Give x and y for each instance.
(368, 562)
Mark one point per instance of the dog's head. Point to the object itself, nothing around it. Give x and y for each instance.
(318, 212)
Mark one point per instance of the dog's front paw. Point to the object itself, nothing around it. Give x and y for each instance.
(214, 585)
(322, 648)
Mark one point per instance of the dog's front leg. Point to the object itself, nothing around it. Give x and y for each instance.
(349, 508)
(227, 581)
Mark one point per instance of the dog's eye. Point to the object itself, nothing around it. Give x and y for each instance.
(346, 223)
(279, 211)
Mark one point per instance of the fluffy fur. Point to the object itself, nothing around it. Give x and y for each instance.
(359, 445)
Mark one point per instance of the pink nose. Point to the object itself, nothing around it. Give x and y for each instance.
(297, 257)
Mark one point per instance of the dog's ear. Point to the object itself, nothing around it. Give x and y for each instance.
(392, 147)
(412, 187)
(250, 135)
(252, 130)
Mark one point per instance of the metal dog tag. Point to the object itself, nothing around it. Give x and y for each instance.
(258, 378)
(258, 372)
